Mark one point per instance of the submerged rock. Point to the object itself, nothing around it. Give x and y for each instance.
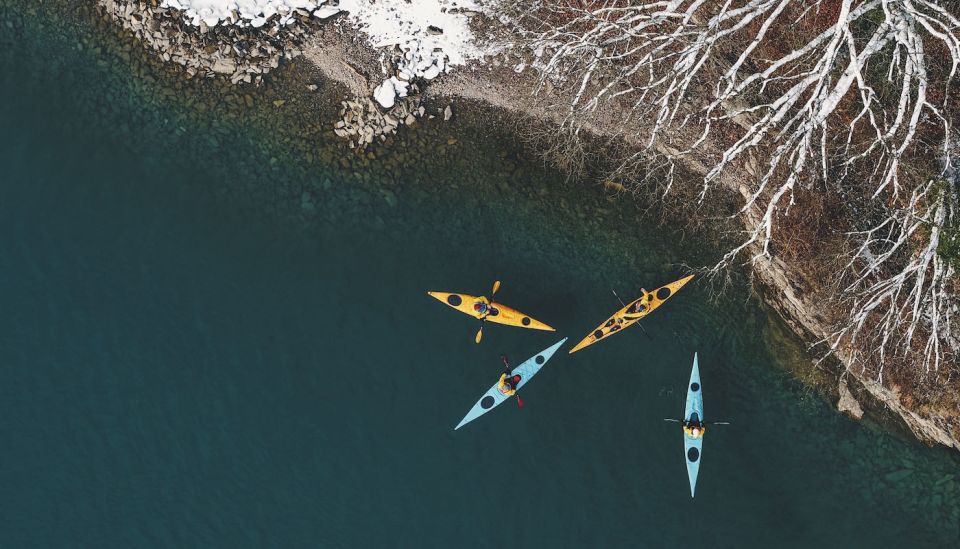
(897, 476)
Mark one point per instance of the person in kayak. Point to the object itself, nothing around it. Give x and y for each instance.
(482, 307)
(508, 380)
(693, 428)
(637, 309)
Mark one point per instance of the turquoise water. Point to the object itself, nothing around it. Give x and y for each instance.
(207, 343)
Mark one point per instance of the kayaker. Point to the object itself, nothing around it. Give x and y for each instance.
(482, 306)
(693, 428)
(508, 385)
(508, 380)
(636, 309)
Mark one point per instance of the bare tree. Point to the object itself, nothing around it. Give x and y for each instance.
(904, 274)
(828, 91)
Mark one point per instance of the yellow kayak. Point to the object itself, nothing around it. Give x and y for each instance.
(501, 314)
(632, 313)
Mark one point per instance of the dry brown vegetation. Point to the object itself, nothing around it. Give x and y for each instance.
(840, 111)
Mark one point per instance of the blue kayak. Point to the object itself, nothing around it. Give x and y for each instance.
(493, 398)
(694, 411)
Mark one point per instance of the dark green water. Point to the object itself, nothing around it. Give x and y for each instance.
(206, 343)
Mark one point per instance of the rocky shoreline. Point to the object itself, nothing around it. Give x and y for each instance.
(242, 54)
(358, 67)
(245, 54)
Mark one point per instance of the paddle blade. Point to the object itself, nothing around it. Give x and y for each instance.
(496, 286)
(519, 402)
(479, 334)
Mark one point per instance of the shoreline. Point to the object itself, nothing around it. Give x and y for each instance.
(782, 288)
(254, 168)
(344, 59)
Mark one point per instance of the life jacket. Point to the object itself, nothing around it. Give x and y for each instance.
(689, 431)
(502, 386)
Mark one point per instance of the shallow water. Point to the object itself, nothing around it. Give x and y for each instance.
(222, 347)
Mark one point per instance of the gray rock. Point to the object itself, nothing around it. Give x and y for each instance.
(224, 66)
(847, 403)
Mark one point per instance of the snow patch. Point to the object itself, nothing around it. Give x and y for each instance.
(387, 93)
(246, 12)
(432, 24)
(432, 34)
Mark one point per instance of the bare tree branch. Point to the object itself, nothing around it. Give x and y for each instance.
(821, 90)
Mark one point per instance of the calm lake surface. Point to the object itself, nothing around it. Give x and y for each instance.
(207, 343)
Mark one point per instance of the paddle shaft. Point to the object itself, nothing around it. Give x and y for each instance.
(703, 422)
(496, 286)
(622, 304)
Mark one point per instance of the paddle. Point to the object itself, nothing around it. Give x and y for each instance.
(622, 304)
(703, 422)
(496, 286)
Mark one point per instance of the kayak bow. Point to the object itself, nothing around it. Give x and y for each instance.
(641, 307)
(493, 397)
(501, 314)
(692, 447)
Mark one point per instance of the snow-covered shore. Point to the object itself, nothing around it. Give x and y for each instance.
(254, 13)
(431, 35)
